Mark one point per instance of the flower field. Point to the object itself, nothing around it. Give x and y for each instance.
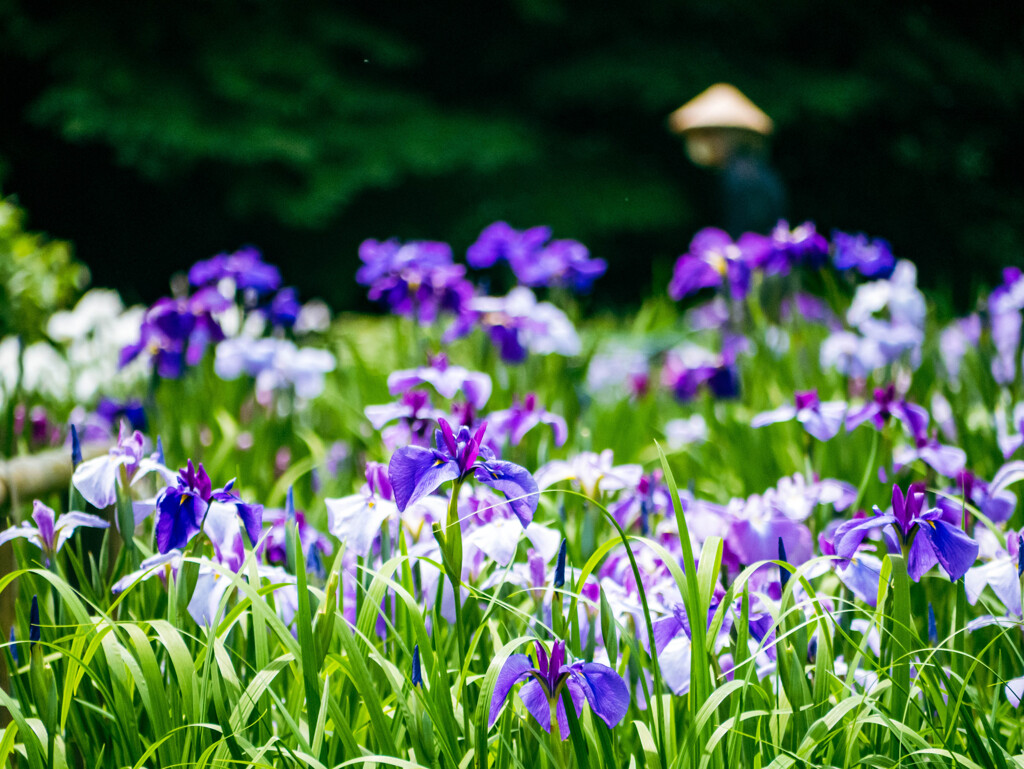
(770, 519)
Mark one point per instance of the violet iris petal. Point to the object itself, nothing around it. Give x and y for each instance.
(604, 689)
(516, 668)
(179, 518)
(515, 482)
(954, 550)
(415, 472)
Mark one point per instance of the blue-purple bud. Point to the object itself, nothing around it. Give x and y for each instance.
(560, 567)
(784, 574)
(1020, 557)
(933, 629)
(34, 633)
(289, 504)
(76, 448)
(417, 673)
(14, 647)
(160, 451)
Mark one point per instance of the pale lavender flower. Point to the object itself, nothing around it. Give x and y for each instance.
(1001, 571)
(97, 479)
(447, 379)
(518, 324)
(822, 420)
(50, 531)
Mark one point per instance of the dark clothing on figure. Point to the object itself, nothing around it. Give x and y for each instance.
(753, 196)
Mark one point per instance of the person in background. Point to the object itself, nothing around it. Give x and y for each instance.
(726, 131)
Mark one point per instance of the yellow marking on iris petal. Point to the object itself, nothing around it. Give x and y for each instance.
(438, 462)
(931, 523)
(718, 263)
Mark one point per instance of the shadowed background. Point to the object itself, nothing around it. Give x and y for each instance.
(154, 134)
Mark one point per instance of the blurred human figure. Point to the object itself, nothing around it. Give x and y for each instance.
(726, 131)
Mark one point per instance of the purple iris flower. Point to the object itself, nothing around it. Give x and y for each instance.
(784, 248)
(284, 308)
(415, 415)
(500, 241)
(885, 405)
(515, 422)
(533, 260)
(245, 267)
(415, 472)
(822, 420)
(871, 258)
(417, 279)
(181, 509)
(1004, 309)
(97, 479)
(924, 535)
(945, 460)
(50, 532)
(176, 332)
(447, 379)
(598, 684)
(996, 504)
(114, 411)
(315, 546)
(518, 324)
(712, 260)
(956, 339)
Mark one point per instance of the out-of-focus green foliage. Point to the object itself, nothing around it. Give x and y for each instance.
(38, 276)
(310, 126)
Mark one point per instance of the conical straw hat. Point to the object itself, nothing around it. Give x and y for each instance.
(720, 106)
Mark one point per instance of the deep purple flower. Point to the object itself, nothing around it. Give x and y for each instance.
(114, 411)
(925, 536)
(417, 279)
(712, 260)
(598, 684)
(181, 509)
(415, 471)
(822, 420)
(995, 504)
(245, 267)
(802, 246)
(315, 546)
(50, 532)
(176, 332)
(500, 241)
(34, 630)
(871, 258)
(533, 260)
(284, 308)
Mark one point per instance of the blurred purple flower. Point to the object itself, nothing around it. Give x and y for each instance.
(447, 379)
(871, 258)
(245, 268)
(514, 423)
(176, 332)
(822, 420)
(712, 260)
(417, 279)
(518, 324)
(1002, 572)
(534, 261)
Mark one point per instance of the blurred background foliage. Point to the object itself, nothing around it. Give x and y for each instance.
(152, 134)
